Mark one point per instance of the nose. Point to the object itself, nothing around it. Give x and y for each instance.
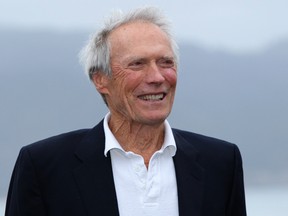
(154, 74)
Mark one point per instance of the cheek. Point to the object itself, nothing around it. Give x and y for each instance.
(131, 81)
(171, 77)
(124, 86)
(118, 80)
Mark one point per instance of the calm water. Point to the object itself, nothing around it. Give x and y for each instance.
(260, 202)
(267, 201)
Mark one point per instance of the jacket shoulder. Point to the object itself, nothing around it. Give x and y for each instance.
(208, 147)
(199, 138)
(61, 143)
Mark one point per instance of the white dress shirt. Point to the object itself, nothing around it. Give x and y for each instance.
(141, 191)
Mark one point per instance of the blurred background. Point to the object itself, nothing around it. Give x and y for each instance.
(233, 80)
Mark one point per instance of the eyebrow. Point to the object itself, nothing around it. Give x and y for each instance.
(168, 57)
(134, 58)
(140, 58)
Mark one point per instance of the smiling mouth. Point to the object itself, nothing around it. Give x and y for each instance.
(152, 97)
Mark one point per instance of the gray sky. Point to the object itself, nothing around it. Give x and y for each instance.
(237, 25)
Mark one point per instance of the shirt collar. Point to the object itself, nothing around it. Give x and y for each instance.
(112, 143)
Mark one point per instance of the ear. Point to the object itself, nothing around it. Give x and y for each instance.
(101, 82)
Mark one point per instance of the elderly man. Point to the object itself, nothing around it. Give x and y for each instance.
(132, 163)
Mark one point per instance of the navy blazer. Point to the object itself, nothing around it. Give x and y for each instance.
(69, 175)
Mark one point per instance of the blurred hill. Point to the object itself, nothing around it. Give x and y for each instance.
(242, 98)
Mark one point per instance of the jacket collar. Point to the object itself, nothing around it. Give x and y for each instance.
(95, 178)
(189, 174)
(94, 175)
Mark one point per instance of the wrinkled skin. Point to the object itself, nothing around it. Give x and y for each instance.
(141, 91)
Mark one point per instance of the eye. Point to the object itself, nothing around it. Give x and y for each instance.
(166, 63)
(136, 65)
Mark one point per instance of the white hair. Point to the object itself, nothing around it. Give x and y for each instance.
(95, 56)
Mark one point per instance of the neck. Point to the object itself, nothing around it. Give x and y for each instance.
(141, 139)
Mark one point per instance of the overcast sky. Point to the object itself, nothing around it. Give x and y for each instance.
(237, 25)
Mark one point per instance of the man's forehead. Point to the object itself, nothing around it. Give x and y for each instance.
(134, 25)
(127, 30)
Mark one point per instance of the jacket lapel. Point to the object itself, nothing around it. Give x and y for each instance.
(189, 175)
(94, 176)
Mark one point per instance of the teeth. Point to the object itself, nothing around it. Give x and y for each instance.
(152, 97)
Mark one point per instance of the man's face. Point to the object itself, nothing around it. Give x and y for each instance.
(142, 87)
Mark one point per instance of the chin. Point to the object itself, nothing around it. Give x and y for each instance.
(155, 119)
